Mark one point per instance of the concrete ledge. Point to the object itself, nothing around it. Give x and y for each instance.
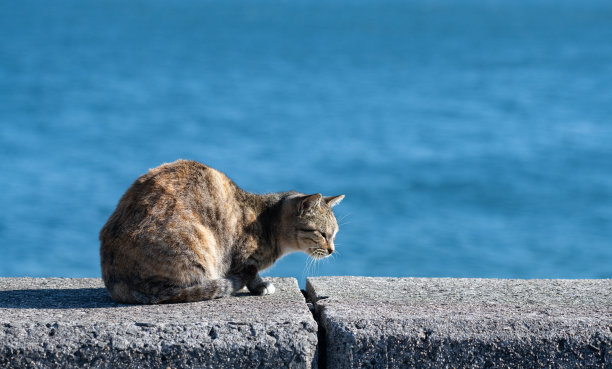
(73, 323)
(363, 323)
(463, 323)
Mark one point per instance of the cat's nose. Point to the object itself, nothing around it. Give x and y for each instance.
(330, 251)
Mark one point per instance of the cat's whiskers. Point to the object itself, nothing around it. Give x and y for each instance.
(317, 253)
(312, 264)
(341, 222)
(308, 267)
(315, 266)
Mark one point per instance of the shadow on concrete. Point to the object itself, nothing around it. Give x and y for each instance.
(242, 294)
(60, 298)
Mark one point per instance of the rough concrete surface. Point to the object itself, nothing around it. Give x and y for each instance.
(463, 323)
(52, 322)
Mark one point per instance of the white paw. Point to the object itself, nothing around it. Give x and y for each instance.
(268, 289)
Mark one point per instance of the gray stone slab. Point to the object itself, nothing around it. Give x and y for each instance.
(73, 323)
(463, 323)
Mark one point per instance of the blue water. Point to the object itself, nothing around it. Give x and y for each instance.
(471, 138)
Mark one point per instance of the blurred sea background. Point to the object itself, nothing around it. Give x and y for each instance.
(471, 138)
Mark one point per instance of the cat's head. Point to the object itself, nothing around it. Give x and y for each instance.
(310, 224)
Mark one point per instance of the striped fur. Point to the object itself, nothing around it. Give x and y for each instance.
(185, 232)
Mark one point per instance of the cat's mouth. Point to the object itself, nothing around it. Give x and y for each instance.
(318, 253)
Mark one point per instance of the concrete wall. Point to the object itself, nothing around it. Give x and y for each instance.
(72, 323)
(463, 323)
(362, 323)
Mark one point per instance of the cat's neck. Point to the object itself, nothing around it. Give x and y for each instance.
(267, 227)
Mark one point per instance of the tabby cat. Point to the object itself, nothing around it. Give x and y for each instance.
(185, 232)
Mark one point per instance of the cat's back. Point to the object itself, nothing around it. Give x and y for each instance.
(179, 179)
(183, 180)
(167, 193)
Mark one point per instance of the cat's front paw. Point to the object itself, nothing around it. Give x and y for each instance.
(266, 288)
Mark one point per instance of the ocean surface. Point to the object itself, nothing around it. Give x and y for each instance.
(471, 138)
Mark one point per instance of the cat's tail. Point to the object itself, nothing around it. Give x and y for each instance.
(206, 290)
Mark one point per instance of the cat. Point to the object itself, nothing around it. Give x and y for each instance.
(185, 232)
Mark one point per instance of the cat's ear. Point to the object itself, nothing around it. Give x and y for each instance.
(333, 200)
(308, 203)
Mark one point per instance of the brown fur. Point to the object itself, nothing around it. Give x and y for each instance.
(185, 232)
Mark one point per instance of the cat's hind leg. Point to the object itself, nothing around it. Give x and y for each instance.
(207, 290)
(162, 292)
(158, 291)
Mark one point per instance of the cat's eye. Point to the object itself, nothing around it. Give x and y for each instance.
(307, 230)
